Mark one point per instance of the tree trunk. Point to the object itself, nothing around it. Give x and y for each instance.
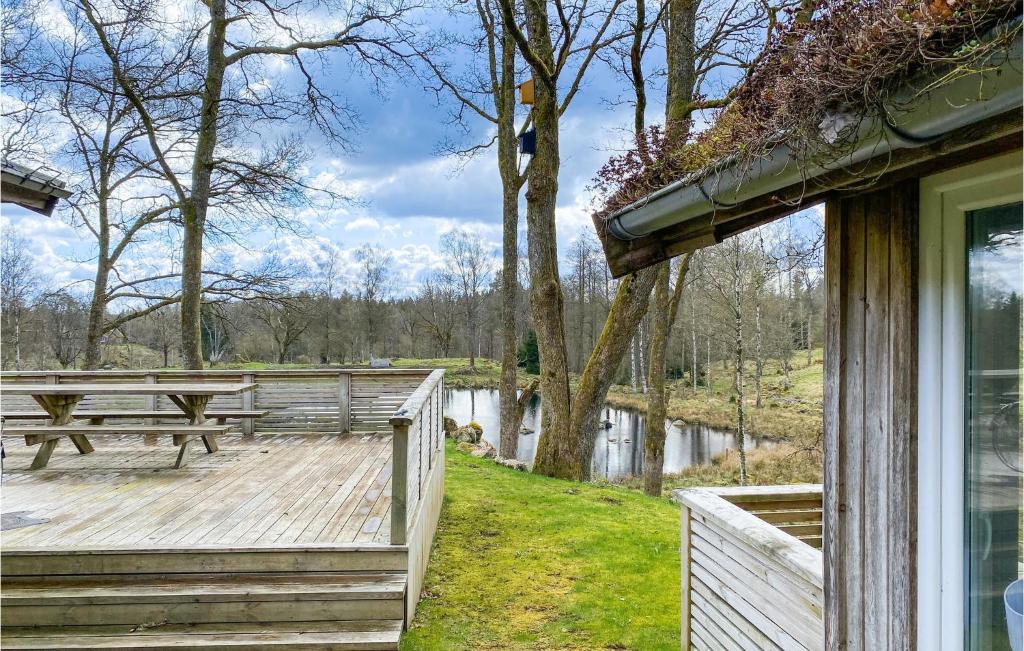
(93, 352)
(666, 304)
(758, 352)
(471, 327)
(511, 415)
(633, 382)
(738, 369)
(693, 342)
(558, 447)
(191, 291)
(707, 367)
(625, 313)
(194, 212)
(94, 330)
(681, 51)
(17, 342)
(641, 358)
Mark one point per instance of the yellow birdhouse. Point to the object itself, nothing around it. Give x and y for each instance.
(526, 92)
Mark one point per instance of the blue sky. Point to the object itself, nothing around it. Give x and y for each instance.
(409, 194)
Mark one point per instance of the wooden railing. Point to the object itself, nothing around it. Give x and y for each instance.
(417, 479)
(304, 400)
(751, 568)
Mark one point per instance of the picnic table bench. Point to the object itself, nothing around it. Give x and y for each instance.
(98, 416)
(60, 400)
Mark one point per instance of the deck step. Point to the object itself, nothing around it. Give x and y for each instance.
(378, 635)
(203, 599)
(41, 562)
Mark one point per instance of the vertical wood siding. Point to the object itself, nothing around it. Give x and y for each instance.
(870, 418)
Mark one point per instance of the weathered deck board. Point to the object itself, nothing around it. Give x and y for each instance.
(266, 489)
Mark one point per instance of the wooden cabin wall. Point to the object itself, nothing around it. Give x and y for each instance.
(870, 501)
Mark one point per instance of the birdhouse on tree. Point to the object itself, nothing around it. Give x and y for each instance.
(526, 92)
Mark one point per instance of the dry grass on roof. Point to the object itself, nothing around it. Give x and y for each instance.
(847, 56)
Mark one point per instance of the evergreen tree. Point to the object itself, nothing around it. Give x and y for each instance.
(529, 356)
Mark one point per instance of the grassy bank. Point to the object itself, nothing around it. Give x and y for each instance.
(527, 562)
(788, 413)
(782, 464)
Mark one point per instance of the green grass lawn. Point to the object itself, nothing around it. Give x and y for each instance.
(527, 562)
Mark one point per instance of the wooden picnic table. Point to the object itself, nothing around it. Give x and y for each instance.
(60, 400)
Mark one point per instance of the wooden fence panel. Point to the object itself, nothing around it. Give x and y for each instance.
(301, 400)
(747, 583)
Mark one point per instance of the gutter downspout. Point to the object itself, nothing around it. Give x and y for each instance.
(928, 118)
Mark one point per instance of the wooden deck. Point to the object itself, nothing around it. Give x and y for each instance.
(262, 490)
(285, 538)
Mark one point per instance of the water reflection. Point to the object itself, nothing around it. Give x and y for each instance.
(619, 450)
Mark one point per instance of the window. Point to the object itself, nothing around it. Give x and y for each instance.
(992, 426)
(969, 411)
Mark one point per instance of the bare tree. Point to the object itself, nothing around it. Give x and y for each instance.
(566, 441)
(113, 165)
(216, 52)
(65, 319)
(19, 284)
(374, 286)
(733, 272)
(116, 148)
(436, 308)
(286, 318)
(470, 269)
(329, 270)
(489, 93)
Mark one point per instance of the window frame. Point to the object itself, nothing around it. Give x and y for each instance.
(945, 200)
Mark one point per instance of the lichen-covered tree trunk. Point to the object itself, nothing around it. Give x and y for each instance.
(666, 302)
(681, 59)
(96, 326)
(194, 212)
(508, 168)
(557, 447)
(654, 436)
(627, 310)
(94, 330)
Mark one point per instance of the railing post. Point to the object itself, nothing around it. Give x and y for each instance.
(248, 404)
(52, 378)
(399, 481)
(344, 403)
(151, 401)
(684, 545)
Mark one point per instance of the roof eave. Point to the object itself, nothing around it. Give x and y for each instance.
(928, 118)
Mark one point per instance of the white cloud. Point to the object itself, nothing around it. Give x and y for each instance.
(363, 223)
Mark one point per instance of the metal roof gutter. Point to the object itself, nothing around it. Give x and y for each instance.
(967, 100)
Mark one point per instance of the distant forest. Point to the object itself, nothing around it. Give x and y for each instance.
(768, 283)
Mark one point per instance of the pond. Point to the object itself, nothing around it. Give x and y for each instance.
(619, 450)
